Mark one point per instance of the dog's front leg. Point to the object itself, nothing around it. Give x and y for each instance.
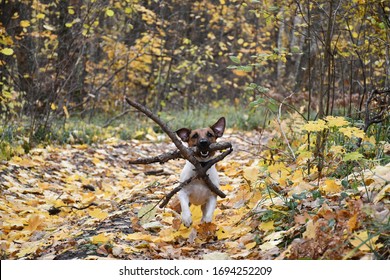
(208, 209)
(185, 208)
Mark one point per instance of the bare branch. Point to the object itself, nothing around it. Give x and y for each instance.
(163, 158)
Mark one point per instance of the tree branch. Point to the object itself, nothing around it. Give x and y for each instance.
(163, 158)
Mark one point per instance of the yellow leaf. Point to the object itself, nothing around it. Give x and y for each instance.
(7, 51)
(98, 213)
(109, 12)
(88, 198)
(196, 212)
(310, 230)
(100, 238)
(369, 243)
(224, 232)
(138, 236)
(336, 121)
(227, 187)
(250, 245)
(24, 23)
(251, 173)
(267, 226)
(331, 186)
(313, 126)
(352, 132)
(40, 16)
(53, 106)
(384, 192)
(28, 249)
(34, 222)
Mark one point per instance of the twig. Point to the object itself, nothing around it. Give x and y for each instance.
(55, 210)
(115, 118)
(280, 125)
(174, 191)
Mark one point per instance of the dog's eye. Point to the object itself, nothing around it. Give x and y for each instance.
(209, 135)
(195, 136)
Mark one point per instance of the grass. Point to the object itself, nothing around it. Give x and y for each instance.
(15, 140)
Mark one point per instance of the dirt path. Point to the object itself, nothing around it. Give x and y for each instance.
(62, 179)
(86, 202)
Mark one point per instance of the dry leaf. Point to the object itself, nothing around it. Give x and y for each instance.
(331, 186)
(35, 222)
(100, 238)
(364, 242)
(216, 256)
(98, 213)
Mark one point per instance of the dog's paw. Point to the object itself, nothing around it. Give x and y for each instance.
(186, 220)
(207, 219)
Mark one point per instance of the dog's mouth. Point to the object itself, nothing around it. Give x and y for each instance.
(204, 154)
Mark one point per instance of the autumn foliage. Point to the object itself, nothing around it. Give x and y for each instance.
(303, 86)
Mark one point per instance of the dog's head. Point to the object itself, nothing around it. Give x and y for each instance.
(203, 137)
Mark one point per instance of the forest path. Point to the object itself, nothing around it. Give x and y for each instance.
(86, 202)
(42, 193)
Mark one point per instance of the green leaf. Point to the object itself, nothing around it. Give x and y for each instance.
(235, 59)
(246, 68)
(7, 51)
(109, 12)
(352, 156)
(257, 102)
(273, 106)
(345, 183)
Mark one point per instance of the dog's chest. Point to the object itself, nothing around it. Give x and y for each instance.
(197, 191)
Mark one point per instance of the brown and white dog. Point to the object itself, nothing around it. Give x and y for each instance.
(197, 192)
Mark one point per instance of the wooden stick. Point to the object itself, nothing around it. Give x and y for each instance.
(163, 158)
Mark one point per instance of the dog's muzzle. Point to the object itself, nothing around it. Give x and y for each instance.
(203, 147)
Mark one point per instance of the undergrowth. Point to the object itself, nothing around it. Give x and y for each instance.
(15, 138)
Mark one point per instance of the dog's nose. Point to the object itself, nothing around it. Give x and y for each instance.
(204, 143)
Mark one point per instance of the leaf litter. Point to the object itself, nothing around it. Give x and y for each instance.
(87, 202)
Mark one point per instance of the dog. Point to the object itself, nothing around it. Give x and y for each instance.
(197, 192)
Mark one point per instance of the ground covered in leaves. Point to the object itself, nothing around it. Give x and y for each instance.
(87, 202)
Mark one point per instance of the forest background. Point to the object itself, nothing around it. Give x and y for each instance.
(316, 72)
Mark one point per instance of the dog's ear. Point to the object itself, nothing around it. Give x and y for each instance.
(219, 127)
(184, 134)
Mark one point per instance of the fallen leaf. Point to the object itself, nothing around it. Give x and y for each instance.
(250, 245)
(266, 226)
(216, 256)
(251, 173)
(352, 222)
(310, 230)
(100, 238)
(364, 242)
(35, 222)
(331, 186)
(272, 240)
(147, 213)
(98, 213)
